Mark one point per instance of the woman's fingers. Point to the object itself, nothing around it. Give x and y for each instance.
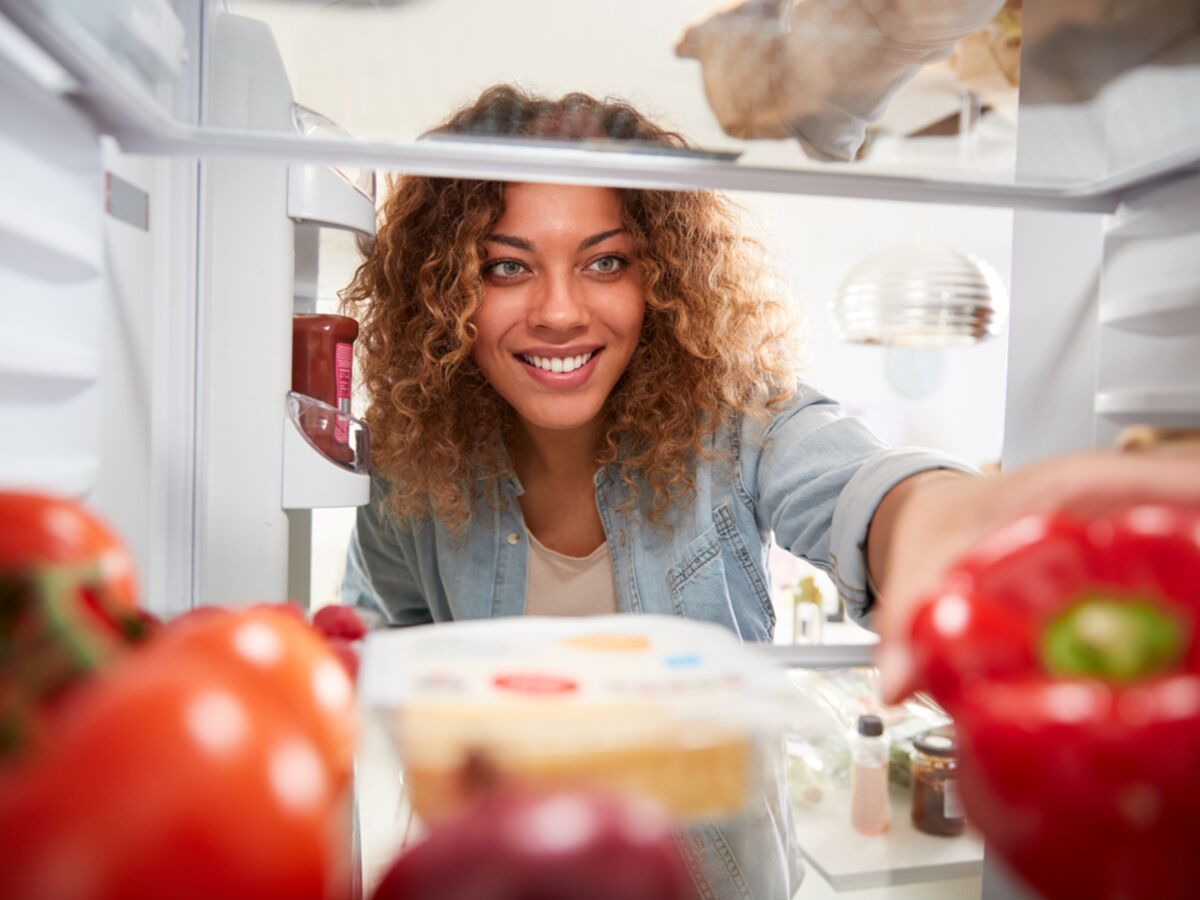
(943, 519)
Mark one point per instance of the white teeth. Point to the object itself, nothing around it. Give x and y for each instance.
(558, 363)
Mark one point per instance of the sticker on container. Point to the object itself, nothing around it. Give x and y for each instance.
(953, 803)
(613, 643)
(343, 366)
(535, 683)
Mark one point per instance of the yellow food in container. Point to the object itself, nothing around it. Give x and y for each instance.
(664, 708)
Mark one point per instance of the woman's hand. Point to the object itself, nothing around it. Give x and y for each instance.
(928, 521)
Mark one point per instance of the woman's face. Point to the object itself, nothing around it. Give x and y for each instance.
(562, 303)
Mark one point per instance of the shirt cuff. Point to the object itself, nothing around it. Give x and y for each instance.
(855, 509)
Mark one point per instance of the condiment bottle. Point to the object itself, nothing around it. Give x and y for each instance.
(936, 807)
(808, 612)
(322, 360)
(869, 777)
(322, 356)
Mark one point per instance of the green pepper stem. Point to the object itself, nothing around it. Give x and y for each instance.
(1115, 638)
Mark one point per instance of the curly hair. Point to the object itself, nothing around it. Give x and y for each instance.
(716, 336)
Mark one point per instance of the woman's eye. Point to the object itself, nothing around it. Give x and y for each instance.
(608, 265)
(504, 268)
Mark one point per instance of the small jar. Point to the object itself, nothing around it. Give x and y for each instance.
(936, 805)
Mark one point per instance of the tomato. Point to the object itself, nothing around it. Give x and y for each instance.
(209, 763)
(37, 530)
(282, 656)
(68, 606)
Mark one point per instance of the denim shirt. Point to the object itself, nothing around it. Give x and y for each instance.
(807, 475)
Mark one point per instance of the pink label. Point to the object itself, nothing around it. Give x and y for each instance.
(343, 361)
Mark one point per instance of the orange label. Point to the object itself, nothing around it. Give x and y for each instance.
(616, 643)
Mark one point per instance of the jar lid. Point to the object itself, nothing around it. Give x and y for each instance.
(871, 726)
(935, 744)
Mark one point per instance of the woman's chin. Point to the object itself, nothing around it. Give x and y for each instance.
(559, 419)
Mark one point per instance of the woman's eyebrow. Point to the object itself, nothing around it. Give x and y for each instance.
(519, 243)
(598, 238)
(522, 244)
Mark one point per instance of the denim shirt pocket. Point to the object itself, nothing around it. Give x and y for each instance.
(712, 863)
(699, 589)
(753, 578)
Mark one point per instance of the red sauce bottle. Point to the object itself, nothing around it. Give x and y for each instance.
(322, 366)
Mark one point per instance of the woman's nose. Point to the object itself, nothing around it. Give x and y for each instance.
(560, 304)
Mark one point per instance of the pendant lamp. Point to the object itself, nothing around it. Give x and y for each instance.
(921, 295)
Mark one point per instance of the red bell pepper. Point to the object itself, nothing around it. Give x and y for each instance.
(1066, 651)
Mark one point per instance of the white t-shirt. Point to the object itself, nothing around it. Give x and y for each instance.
(560, 585)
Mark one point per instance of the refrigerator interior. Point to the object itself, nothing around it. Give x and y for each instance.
(151, 251)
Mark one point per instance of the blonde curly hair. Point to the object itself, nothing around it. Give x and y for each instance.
(716, 336)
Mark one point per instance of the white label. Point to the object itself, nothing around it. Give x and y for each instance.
(953, 803)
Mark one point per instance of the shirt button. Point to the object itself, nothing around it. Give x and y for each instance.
(513, 537)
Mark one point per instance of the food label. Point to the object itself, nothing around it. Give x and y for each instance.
(534, 683)
(953, 803)
(343, 362)
(343, 365)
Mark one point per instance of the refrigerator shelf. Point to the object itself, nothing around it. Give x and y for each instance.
(311, 478)
(73, 477)
(318, 194)
(1164, 210)
(39, 371)
(38, 244)
(849, 861)
(329, 196)
(1160, 407)
(1167, 312)
(1078, 174)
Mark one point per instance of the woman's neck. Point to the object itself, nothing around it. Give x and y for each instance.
(544, 454)
(556, 469)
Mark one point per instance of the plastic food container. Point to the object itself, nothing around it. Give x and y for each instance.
(677, 711)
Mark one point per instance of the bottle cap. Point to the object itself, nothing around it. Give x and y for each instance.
(871, 726)
(935, 744)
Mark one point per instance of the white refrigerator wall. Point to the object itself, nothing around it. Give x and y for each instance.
(95, 374)
(52, 288)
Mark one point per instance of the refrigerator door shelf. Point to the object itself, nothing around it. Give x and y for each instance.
(1166, 313)
(321, 195)
(1159, 407)
(326, 455)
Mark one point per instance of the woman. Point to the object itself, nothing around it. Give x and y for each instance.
(582, 401)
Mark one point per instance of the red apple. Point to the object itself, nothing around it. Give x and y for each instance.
(564, 845)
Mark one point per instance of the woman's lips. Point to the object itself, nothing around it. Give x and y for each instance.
(561, 380)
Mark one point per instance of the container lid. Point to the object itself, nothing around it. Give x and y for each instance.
(935, 743)
(562, 685)
(871, 726)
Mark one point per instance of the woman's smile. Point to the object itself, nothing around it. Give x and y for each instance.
(560, 369)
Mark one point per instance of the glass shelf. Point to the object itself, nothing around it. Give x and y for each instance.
(1105, 105)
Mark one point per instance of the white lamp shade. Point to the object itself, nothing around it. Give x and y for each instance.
(922, 295)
